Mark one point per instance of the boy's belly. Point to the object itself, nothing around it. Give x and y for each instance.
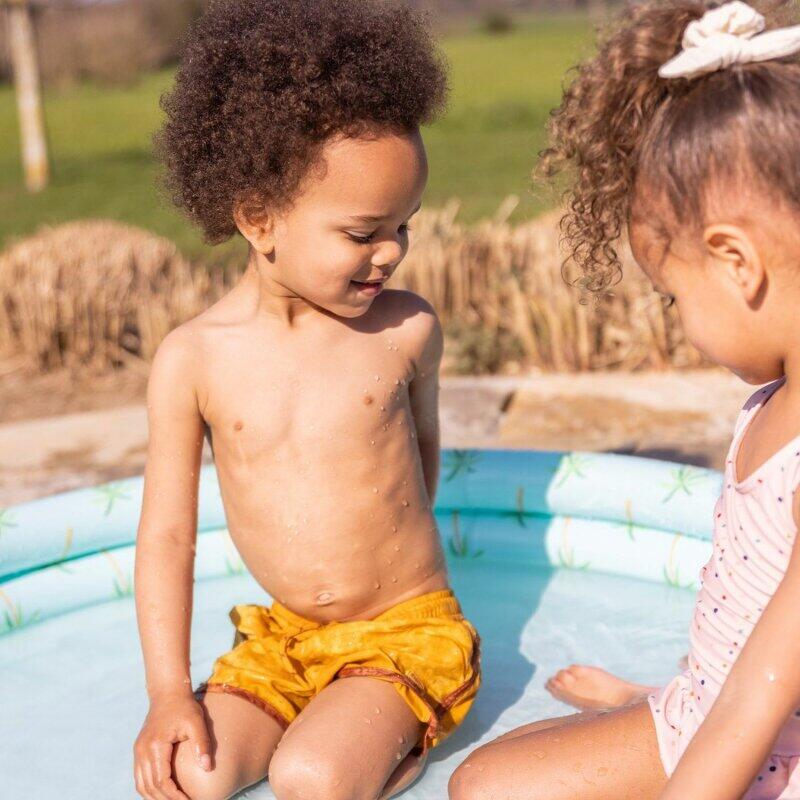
(331, 550)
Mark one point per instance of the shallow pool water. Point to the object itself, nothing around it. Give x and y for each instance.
(72, 696)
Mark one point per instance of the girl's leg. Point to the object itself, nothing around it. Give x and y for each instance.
(243, 739)
(609, 756)
(592, 688)
(348, 743)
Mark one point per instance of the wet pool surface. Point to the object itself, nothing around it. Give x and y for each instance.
(72, 695)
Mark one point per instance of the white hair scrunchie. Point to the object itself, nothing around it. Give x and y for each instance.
(729, 35)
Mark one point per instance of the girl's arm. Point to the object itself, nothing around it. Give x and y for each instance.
(424, 394)
(164, 569)
(762, 691)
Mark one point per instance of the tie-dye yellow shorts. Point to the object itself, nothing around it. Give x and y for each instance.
(424, 647)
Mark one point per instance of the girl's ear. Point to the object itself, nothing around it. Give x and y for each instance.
(256, 224)
(732, 250)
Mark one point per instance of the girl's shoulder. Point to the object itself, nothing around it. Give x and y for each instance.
(756, 401)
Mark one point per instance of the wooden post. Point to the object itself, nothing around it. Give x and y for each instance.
(29, 101)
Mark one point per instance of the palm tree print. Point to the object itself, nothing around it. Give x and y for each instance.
(13, 615)
(566, 553)
(672, 574)
(684, 479)
(6, 520)
(459, 542)
(67, 547)
(108, 495)
(519, 514)
(459, 461)
(573, 464)
(122, 584)
(629, 525)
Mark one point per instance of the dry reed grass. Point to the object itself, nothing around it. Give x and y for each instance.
(97, 295)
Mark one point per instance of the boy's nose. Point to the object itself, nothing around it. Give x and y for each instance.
(388, 254)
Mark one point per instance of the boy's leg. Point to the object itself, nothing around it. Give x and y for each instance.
(597, 757)
(347, 744)
(243, 739)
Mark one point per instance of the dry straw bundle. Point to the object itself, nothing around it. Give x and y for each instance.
(96, 295)
(99, 295)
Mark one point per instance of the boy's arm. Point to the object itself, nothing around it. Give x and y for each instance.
(761, 692)
(165, 548)
(424, 395)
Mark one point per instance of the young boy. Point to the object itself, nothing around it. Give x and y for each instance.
(297, 123)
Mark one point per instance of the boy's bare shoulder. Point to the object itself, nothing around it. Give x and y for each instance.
(414, 313)
(414, 320)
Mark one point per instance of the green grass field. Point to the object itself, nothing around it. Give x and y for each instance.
(483, 151)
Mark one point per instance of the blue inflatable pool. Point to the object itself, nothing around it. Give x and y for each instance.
(556, 557)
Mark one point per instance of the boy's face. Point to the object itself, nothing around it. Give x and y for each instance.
(346, 232)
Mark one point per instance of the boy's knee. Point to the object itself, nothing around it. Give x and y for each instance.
(196, 783)
(471, 781)
(307, 776)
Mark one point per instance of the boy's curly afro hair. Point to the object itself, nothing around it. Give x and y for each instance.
(264, 83)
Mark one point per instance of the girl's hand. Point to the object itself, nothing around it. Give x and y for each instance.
(171, 719)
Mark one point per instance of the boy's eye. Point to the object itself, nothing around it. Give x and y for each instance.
(361, 238)
(369, 237)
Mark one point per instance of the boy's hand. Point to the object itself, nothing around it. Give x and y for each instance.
(171, 719)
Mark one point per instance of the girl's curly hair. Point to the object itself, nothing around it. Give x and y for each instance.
(264, 83)
(620, 126)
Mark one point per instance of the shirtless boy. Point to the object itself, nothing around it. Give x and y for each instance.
(297, 124)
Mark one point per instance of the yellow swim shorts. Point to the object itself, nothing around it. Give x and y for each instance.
(424, 647)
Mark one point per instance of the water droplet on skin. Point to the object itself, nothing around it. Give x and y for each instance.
(368, 720)
(377, 585)
(401, 740)
(372, 441)
(383, 408)
(394, 528)
(416, 566)
(771, 677)
(397, 382)
(377, 710)
(375, 490)
(405, 503)
(394, 580)
(397, 548)
(398, 756)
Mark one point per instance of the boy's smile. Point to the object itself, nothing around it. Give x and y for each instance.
(339, 241)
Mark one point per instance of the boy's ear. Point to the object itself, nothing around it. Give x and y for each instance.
(256, 224)
(733, 251)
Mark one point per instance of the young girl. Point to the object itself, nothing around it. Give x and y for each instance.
(296, 124)
(685, 128)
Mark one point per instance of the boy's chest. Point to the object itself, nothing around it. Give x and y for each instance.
(306, 396)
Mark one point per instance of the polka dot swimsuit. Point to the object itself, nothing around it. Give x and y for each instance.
(754, 532)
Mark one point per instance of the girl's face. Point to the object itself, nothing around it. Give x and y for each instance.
(347, 231)
(729, 309)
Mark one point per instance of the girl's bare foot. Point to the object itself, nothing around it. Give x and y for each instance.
(593, 688)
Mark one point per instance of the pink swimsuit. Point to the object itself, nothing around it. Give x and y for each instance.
(754, 531)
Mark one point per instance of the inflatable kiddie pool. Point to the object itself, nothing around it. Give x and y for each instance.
(556, 558)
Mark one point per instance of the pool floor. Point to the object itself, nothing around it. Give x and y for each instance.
(72, 694)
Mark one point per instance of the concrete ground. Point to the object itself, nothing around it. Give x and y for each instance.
(683, 416)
